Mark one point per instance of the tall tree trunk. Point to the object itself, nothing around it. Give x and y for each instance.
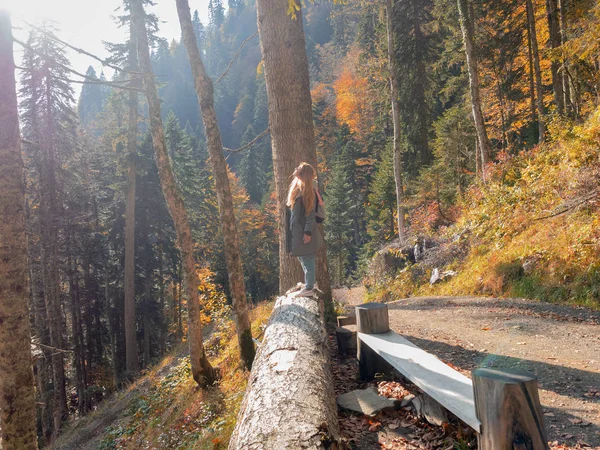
(565, 69)
(49, 222)
(532, 103)
(467, 27)
(398, 176)
(420, 55)
(233, 258)
(77, 333)
(131, 348)
(179, 303)
(161, 294)
(17, 399)
(552, 13)
(282, 44)
(146, 297)
(537, 70)
(202, 371)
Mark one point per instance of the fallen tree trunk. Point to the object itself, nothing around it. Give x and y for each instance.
(289, 401)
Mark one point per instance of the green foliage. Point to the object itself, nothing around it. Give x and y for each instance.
(92, 98)
(340, 217)
(381, 205)
(253, 167)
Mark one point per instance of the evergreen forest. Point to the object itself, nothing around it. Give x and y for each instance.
(142, 243)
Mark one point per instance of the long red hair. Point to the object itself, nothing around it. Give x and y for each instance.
(301, 185)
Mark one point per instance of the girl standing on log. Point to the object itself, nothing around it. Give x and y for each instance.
(304, 238)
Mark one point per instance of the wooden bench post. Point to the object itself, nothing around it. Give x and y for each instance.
(371, 318)
(508, 406)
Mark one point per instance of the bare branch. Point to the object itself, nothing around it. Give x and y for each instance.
(79, 74)
(571, 204)
(249, 144)
(53, 349)
(82, 51)
(235, 57)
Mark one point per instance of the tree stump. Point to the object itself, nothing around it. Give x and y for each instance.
(508, 407)
(290, 401)
(346, 339)
(371, 318)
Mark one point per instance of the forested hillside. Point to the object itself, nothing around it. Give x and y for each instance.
(464, 131)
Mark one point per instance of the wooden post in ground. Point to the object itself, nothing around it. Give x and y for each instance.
(508, 406)
(346, 339)
(346, 320)
(371, 318)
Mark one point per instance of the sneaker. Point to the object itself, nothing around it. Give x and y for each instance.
(305, 293)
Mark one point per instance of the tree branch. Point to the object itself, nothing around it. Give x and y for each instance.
(54, 349)
(571, 204)
(82, 51)
(249, 144)
(235, 57)
(90, 80)
(79, 74)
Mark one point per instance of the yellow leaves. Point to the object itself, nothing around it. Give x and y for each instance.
(213, 302)
(294, 7)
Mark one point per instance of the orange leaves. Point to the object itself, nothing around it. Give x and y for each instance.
(352, 105)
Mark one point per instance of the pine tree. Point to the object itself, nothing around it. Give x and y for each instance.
(380, 212)
(199, 31)
(340, 211)
(126, 55)
(91, 99)
(49, 121)
(414, 53)
(216, 13)
(252, 168)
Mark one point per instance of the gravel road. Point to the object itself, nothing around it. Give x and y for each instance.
(560, 344)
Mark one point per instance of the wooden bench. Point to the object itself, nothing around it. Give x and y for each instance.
(449, 388)
(502, 407)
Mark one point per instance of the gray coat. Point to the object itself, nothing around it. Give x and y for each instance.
(299, 222)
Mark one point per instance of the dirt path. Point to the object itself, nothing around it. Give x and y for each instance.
(560, 344)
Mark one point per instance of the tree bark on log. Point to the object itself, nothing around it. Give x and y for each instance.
(289, 402)
(233, 258)
(17, 400)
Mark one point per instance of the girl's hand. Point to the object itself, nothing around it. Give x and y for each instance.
(307, 238)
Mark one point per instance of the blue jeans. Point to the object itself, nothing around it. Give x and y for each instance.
(308, 265)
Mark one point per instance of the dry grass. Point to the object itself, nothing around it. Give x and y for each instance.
(523, 237)
(165, 409)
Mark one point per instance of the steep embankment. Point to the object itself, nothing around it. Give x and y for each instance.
(532, 230)
(165, 409)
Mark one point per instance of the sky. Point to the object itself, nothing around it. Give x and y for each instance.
(86, 23)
